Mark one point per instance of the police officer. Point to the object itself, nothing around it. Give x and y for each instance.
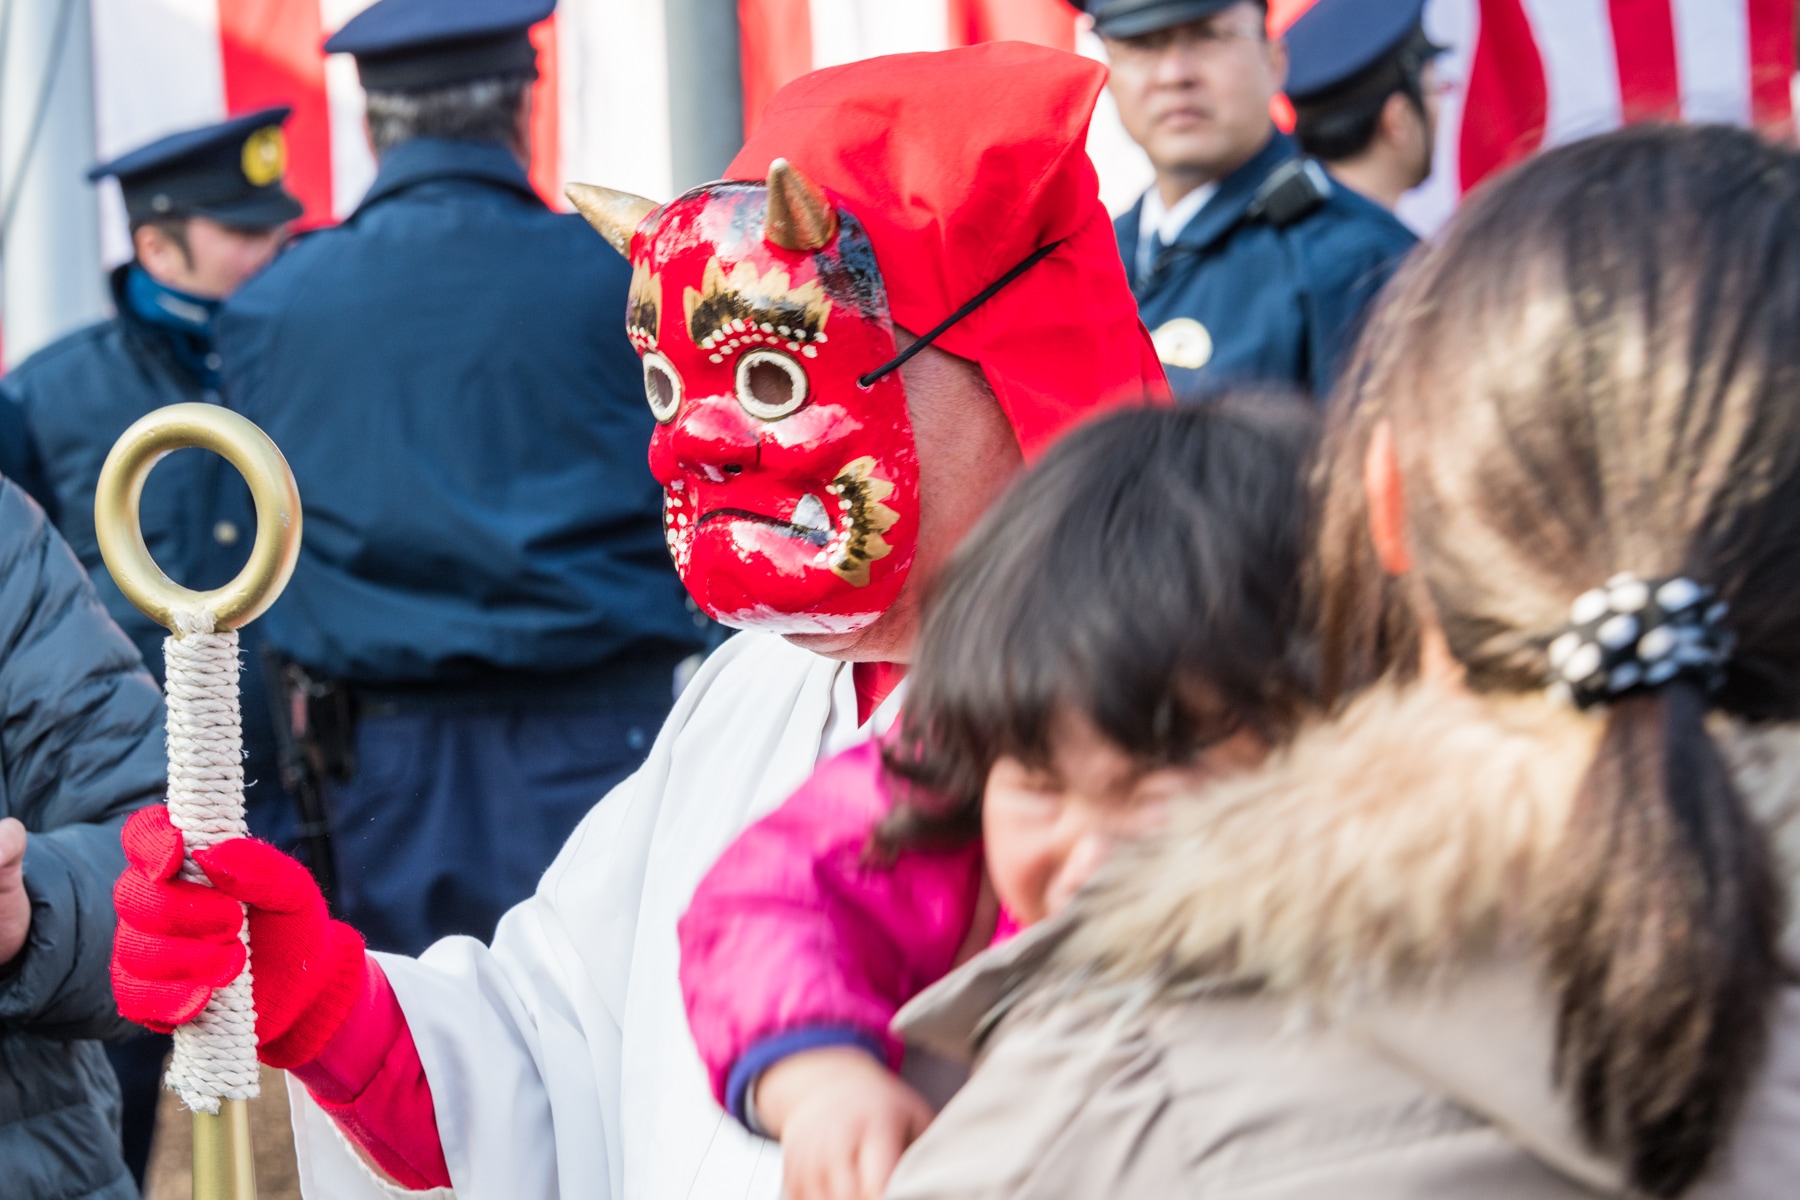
(1363, 79)
(1248, 264)
(484, 623)
(207, 210)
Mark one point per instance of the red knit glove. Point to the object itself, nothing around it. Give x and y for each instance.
(178, 941)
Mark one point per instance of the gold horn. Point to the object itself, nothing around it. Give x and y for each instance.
(800, 216)
(615, 215)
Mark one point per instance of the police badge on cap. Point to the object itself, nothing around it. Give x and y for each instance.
(265, 156)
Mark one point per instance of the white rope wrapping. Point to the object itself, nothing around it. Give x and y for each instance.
(215, 1053)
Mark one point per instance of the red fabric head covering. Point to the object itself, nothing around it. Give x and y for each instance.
(959, 165)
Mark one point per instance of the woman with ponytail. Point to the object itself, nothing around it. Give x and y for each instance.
(1516, 920)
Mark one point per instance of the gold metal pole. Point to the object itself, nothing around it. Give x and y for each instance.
(223, 1162)
(224, 1166)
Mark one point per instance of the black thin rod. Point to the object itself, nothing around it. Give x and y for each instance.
(981, 298)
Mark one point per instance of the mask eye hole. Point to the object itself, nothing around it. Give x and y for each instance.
(770, 385)
(662, 387)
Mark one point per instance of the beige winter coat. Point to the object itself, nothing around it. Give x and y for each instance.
(1380, 1031)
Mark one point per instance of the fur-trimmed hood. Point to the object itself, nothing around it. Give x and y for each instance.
(1379, 888)
(1417, 833)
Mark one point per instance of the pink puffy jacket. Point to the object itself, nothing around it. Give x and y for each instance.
(796, 940)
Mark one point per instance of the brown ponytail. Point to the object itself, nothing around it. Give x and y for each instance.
(1662, 942)
(1597, 371)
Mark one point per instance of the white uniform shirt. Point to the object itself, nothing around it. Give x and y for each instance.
(559, 1059)
(1159, 224)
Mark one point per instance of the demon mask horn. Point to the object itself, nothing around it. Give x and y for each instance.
(800, 215)
(615, 215)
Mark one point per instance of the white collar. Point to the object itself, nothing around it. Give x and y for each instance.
(1159, 223)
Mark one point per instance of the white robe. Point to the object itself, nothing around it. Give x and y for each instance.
(559, 1058)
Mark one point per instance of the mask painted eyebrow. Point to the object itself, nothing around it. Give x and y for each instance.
(781, 321)
(775, 329)
(743, 308)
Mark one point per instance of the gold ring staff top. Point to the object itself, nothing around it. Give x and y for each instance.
(277, 546)
(214, 1068)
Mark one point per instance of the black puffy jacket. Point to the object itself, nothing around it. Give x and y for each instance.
(81, 746)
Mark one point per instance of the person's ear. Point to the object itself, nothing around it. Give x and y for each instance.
(1278, 62)
(1387, 502)
(167, 260)
(1396, 114)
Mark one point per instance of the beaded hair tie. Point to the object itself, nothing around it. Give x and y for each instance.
(1637, 634)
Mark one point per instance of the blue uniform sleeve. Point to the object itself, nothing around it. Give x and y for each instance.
(1341, 316)
(1353, 276)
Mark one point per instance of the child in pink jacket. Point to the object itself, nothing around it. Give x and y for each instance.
(1122, 625)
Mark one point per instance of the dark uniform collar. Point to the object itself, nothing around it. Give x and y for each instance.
(186, 346)
(423, 160)
(1223, 212)
(1235, 193)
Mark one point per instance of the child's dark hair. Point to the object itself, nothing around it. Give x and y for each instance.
(1146, 575)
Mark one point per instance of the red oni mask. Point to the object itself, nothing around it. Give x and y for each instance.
(790, 490)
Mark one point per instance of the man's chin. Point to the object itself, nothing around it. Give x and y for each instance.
(888, 639)
(827, 645)
(1187, 149)
(1210, 153)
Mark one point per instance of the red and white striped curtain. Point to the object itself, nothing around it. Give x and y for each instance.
(1525, 73)
(1536, 73)
(783, 39)
(599, 108)
(1528, 73)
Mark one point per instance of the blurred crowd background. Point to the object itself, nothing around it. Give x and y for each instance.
(654, 96)
(650, 97)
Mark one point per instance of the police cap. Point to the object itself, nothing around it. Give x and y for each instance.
(1131, 18)
(230, 172)
(1346, 50)
(418, 45)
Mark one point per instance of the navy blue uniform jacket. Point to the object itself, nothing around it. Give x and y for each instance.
(1279, 304)
(448, 374)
